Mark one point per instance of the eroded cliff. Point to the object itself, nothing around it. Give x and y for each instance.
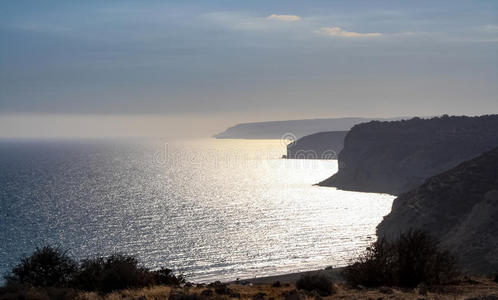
(394, 157)
(322, 145)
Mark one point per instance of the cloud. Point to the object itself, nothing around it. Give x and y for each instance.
(338, 31)
(285, 18)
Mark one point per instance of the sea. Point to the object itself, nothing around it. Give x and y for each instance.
(210, 209)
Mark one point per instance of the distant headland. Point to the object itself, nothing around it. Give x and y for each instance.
(297, 128)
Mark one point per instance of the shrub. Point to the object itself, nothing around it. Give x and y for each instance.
(178, 295)
(165, 276)
(51, 267)
(88, 277)
(47, 266)
(118, 272)
(316, 282)
(36, 293)
(374, 268)
(414, 258)
(221, 288)
(115, 272)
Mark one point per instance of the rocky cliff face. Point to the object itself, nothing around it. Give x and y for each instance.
(460, 207)
(394, 157)
(322, 145)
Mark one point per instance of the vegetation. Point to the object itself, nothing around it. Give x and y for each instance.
(50, 267)
(47, 266)
(50, 273)
(184, 296)
(122, 277)
(414, 258)
(115, 272)
(316, 282)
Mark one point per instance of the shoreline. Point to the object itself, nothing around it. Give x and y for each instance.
(333, 273)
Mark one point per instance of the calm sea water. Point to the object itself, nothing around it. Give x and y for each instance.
(212, 209)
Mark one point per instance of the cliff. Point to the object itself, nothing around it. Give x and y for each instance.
(460, 207)
(298, 128)
(394, 157)
(322, 145)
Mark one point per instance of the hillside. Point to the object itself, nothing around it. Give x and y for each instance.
(394, 157)
(298, 128)
(460, 207)
(322, 145)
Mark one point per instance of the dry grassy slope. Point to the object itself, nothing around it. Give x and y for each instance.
(468, 289)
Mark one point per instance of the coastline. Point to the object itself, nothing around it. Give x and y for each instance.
(332, 273)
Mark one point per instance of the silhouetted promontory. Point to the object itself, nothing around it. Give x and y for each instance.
(394, 157)
(322, 145)
(459, 207)
(297, 128)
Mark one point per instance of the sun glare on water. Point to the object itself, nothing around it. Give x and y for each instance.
(212, 209)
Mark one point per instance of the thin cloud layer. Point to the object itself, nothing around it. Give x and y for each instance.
(338, 31)
(216, 57)
(285, 18)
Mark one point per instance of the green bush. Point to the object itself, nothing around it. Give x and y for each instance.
(50, 267)
(47, 266)
(117, 272)
(414, 258)
(180, 295)
(316, 282)
(112, 273)
(17, 292)
(374, 268)
(165, 276)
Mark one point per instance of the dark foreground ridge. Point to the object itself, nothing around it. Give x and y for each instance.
(394, 157)
(459, 207)
(50, 273)
(322, 145)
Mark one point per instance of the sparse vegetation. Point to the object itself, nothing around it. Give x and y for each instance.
(414, 258)
(17, 292)
(51, 268)
(112, 273)
(47, 266)
(175, 295)
(166, 276)
(316, 282)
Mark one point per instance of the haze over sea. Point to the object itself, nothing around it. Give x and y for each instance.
(211, 209)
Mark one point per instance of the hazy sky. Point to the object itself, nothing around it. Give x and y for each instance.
(67, 65)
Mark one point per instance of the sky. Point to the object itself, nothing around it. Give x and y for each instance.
(192, 68)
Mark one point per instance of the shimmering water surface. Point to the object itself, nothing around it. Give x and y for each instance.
(212, 209)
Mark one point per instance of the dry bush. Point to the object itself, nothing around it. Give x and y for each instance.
(414, 258)
(116, 272)
(316, 282)
(47, 266)
(53, 272)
